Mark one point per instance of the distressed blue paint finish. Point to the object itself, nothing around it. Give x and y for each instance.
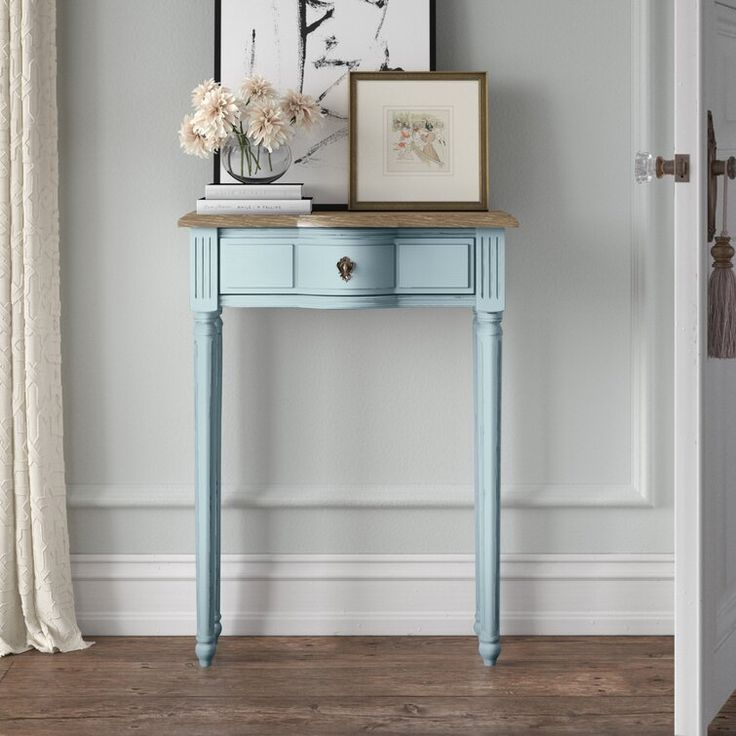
(375, 270)
(487, 331)
(490, 291)
(490, 295)
(207, 381)
(407, 267)
(216, 455)
(204, 298)
(348, 301)
(256, 267)
(429, 265)
(389, 262)
(204, 270)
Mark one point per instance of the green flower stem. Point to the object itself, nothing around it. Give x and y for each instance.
(243, 145)
(248, 156)
(254, 157)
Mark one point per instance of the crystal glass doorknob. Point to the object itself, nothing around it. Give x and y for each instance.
(644, 167)
(647, 167)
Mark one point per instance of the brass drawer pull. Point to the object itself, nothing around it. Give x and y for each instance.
(345, 266)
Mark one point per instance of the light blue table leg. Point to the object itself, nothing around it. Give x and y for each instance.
(487, 329)
(476, 621)
(217, 495)
(207, 382)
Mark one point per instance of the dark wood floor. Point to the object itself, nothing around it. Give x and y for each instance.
(609, 686)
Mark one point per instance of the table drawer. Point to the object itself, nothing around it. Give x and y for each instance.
(387, 264)
(246, 265)
(435, 266)
(373, 270)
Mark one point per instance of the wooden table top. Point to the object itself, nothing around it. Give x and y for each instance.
(346, 218)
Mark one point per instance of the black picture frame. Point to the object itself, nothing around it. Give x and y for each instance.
(217, 75)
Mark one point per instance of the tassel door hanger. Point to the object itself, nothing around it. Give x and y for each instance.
(722, 292)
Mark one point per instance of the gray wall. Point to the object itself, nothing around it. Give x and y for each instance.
(374, 400)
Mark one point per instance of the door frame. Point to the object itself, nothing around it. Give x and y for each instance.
(689, 323)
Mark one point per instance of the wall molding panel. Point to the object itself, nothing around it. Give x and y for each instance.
(636, 491)
(100, 496)
(642, 323)
(376, 594)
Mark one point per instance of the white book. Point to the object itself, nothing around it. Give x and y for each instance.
(254, 206)
(253, 191)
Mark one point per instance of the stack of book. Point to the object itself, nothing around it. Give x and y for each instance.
(254, 199)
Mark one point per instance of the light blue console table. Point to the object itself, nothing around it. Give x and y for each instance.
(348, 260)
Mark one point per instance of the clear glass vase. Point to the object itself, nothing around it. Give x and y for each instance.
(251, 162)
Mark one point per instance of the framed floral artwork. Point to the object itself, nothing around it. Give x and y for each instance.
(418, 141)
(311, 46)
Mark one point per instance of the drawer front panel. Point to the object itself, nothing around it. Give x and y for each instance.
(435, 266)
(248, 266)
(374, 269)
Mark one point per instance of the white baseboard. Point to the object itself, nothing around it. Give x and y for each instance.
(376, 594)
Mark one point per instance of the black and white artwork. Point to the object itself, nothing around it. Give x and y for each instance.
(312, 46)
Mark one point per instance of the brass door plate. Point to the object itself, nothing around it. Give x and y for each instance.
(716, 168)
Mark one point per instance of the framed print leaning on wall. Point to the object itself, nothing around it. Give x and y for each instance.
(418, 141)
(312, 46)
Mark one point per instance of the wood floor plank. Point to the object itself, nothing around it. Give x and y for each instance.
(364, 650)
(338, 686)
(407, 679)
(377, 660)
(516, 647)
(725, 722)
(342, 717)
(85, 706)
(406, 726)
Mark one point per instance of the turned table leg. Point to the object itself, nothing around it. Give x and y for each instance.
(216, 496)
(207, 410)
(487, 331)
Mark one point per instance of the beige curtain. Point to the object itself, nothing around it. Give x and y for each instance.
(36, 598)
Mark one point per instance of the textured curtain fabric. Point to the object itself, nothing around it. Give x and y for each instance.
(36, 598)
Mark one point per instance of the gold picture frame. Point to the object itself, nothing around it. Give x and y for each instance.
(417, 137)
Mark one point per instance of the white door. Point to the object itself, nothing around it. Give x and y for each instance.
(705, 389)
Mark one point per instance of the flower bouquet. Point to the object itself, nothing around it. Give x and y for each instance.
(251, 130)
